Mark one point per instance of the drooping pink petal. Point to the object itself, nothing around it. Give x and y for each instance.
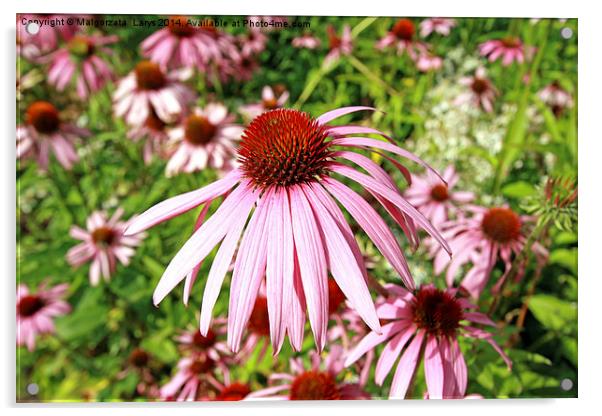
(391, 352)
(406, 367)
(373, 339)
(433, 368)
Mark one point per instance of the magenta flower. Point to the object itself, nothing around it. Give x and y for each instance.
(440, 25)
(80, 61)
(297, 231)
(32, 46)
(480, 91)
(103, 243)
(180, 45)
(427, 62)
(36, 311)
(338, 45)
(271, 98)
(510, 49)
(320, 382)
(253, 42)
(43, 132)
(481, 240)
(431, 320)
(402, 37)
(194, 343)
(153, 132)
(434, 198)
(147, 88)
(192, 379)
(556, 97)
(306, 41)
(206, 137)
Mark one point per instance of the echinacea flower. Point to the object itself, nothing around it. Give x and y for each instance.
(80, 61)
(211, 344)
(431, 320)
(402, 38)
(556, 97)
(306, 41)
(481, 239)
(184, 45)
(440, 25)
(338, 45)
(233, 392)
(206, 137)
(322, 381)
(297, 232)
(153, 132)
(139, 362)
(253, 42)
(193, 379)
(435, 199)
(46, 39)
(479, 91)
(271, 98)
(45, 131)
(510, 49)
(427, 62)
(36, 311)
(148, 88)
(103, 243)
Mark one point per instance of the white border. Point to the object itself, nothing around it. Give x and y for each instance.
(590, 139)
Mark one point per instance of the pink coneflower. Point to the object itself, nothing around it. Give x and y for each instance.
(338, 45)
(32, 46)
(253, 42)
(435, 199)
(153, 132)
(297, 231)
(427, 62)
(43, 132)
(402, 37)
(258, 329)
(233, 392)
(481, 240)
(81, 63)
(36, 311)
(211, 344)
(103, 243)
(556, 97)
(271, 98)
(206, 137)
(431, 320)
(192, 381)
(320, 382)
(480, 91)
(139, 363)
(306, 41)
(180, 45)
(147, 88)
(509, 48)
(440, 25)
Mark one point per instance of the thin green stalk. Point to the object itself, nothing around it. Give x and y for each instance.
(371, 75)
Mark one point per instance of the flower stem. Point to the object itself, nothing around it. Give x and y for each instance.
(357, 64)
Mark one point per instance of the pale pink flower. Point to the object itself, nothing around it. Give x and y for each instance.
(556, 97)
(43, 132)
(80, 61)
(440, 25)
(252, 42)
(297, 232)
(36, 311)
(192, 342)
(193, 378)
(431, 320)
(241, 69)
(103, 243)
(322, 381)
(338, 45)
(32, 46)
(183, 45)
(481, 239)
(480, 92)
(153, 132)
(271, 98)
(434, 198)
(510, 49)
(205, 138)
(148, 88)
(306, 41)
(402, 38)
(427, 62)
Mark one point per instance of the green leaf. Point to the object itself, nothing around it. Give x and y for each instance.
(553, 313)
(519, 189)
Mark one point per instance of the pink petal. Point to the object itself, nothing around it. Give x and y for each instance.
(433, 368)
(406, 367)
(373, 339)
(331, 115)
(391, 352)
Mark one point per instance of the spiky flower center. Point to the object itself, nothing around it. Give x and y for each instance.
(29, 305)
(43, 116)
(284, 147)
(335, 297)
(178, 25)
(149, 76)
(511, 42)
(314, 385)
(104, 236)
(139, 358)
(404, 29)
(479, 85)
(501, 225)
(198, 130)
(436, 311)
(204, 342)
(259, 322)
(202, 364)
(234, 392)
(439, 193)
(81, 47)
